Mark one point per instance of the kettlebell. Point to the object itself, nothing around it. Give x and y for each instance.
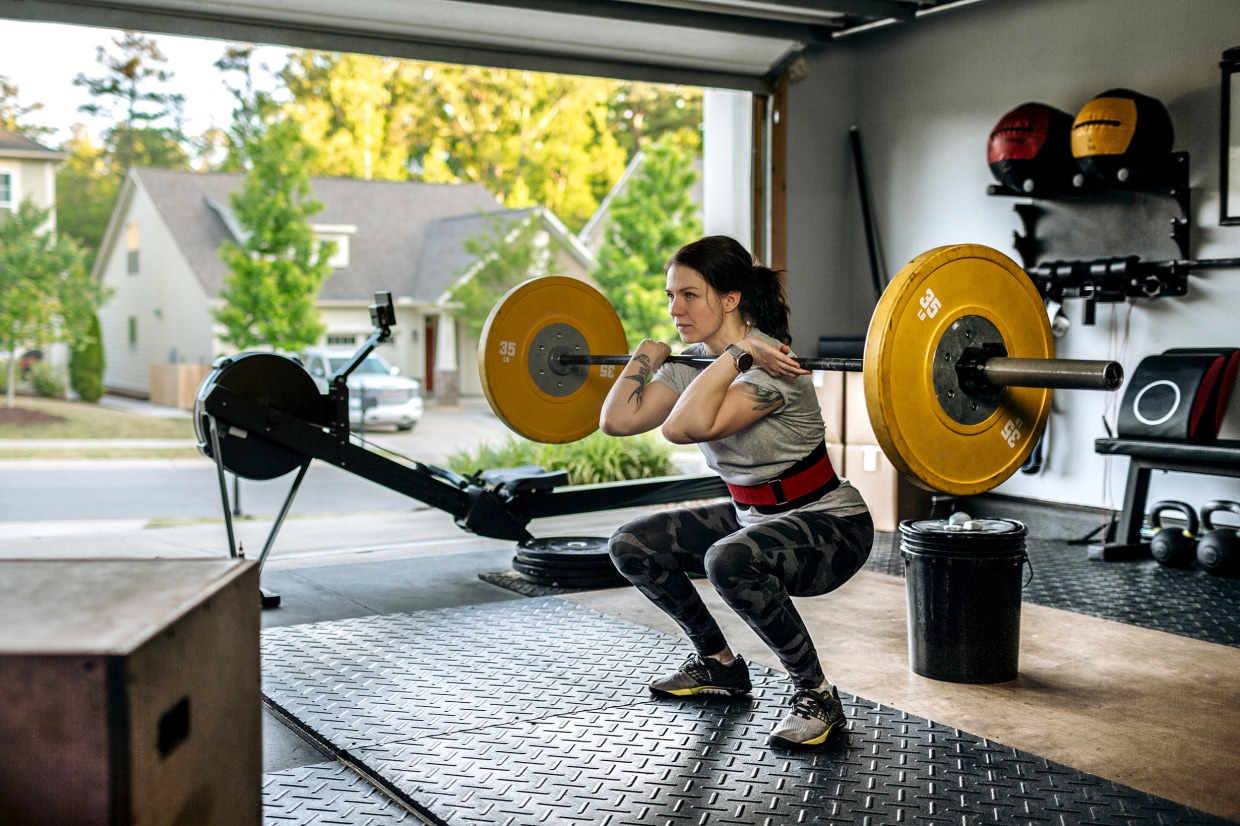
(1174, 547)
(1219, 549)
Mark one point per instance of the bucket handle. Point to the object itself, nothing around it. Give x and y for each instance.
(1025, 560)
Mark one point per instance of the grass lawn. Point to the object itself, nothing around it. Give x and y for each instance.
(79, 420)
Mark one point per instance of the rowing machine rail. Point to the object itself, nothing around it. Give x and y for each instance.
(260, 415)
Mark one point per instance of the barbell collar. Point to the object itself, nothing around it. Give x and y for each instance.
(1064, 374)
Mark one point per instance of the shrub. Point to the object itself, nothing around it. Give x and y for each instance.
(86, 365)
(594, 459)
(47, 380)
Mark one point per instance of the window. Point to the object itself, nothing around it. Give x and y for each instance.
(341, 341)
(133, 331)
(6, 191)
(340, 258)
(132, 241)
(338, 234)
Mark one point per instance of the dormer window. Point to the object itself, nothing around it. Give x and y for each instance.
(338, 234)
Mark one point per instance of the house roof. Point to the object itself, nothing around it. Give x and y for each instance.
(404, 229)
(13, 144)
(444, 257)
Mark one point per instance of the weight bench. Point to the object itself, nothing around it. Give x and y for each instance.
(1219, 459)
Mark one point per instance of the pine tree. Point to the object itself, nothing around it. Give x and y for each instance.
(147, 121)
(86, 363)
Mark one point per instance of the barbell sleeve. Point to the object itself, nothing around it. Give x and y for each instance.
(1064, 374)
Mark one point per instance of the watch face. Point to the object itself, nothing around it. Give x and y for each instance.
(742, 357)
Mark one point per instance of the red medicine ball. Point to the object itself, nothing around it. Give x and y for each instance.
(1030, 148)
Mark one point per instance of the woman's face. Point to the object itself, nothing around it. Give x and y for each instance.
(692, 303)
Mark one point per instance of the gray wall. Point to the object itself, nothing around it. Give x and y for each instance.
(925, 96)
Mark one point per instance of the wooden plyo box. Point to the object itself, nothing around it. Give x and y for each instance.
(130, 692)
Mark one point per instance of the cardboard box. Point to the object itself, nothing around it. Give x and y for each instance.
(857, 428)
(891, 497)
(835, 453)
(131, 692)
(830, 390)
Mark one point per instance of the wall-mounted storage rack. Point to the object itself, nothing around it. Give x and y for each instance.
(1100, 242)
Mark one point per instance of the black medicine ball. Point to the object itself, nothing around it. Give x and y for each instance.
(1030, 148)
(1121, 130)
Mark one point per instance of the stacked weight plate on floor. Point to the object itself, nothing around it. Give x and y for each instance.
(567, 562)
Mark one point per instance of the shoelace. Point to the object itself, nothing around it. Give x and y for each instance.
(695, 666)
(808, 703)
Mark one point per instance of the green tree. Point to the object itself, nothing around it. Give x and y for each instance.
(86, 191)
(277, 270)
(647, 222)
(147, 121)
(639, 112)
(146, 130)
(252, 110)
(86, 363)
(358, 111)
(528, 137)
(46, 294)
(506, 253)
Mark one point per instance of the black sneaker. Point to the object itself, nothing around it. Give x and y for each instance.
(814, 715)
(702, 675)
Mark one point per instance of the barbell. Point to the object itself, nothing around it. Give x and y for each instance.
(958, 365)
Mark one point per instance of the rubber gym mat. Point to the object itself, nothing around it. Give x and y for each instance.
(1185, 601)
(328, 794)
(536, 711)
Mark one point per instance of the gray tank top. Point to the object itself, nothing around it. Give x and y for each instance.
(774, 443)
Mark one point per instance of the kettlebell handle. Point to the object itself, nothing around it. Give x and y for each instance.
(1175, 506)
(1210, 508)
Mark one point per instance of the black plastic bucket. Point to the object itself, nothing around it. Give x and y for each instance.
(963, 588)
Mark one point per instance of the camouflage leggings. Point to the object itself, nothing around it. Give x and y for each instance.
(755, 569)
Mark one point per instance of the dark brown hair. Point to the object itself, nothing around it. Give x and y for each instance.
(727, 266)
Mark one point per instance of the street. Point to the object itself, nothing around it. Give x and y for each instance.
(87, 489)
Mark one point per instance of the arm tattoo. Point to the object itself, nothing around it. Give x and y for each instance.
(643, 372)
(764, 398)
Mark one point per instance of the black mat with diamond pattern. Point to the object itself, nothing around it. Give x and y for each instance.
(535, 711)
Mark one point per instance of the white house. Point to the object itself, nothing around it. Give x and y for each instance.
(27, 171)
(160, 258)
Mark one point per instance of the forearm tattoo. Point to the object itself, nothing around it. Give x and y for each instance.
(643, 373)
(764, 398)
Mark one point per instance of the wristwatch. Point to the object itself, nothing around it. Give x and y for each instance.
(742, 357)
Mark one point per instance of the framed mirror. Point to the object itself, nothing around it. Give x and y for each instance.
(1229, 148)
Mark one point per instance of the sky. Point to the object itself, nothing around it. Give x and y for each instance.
(42, 59)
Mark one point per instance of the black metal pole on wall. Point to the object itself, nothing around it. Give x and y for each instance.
(863, 190)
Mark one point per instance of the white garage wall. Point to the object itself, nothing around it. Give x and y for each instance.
(925, 97)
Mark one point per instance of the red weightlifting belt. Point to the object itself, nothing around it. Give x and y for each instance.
(805, 477)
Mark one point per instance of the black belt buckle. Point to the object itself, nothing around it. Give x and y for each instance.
(778, 490)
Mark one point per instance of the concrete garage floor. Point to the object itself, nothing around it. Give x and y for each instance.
(1147, 709)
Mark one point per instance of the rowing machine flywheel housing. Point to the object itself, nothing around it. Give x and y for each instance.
(275, 381)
